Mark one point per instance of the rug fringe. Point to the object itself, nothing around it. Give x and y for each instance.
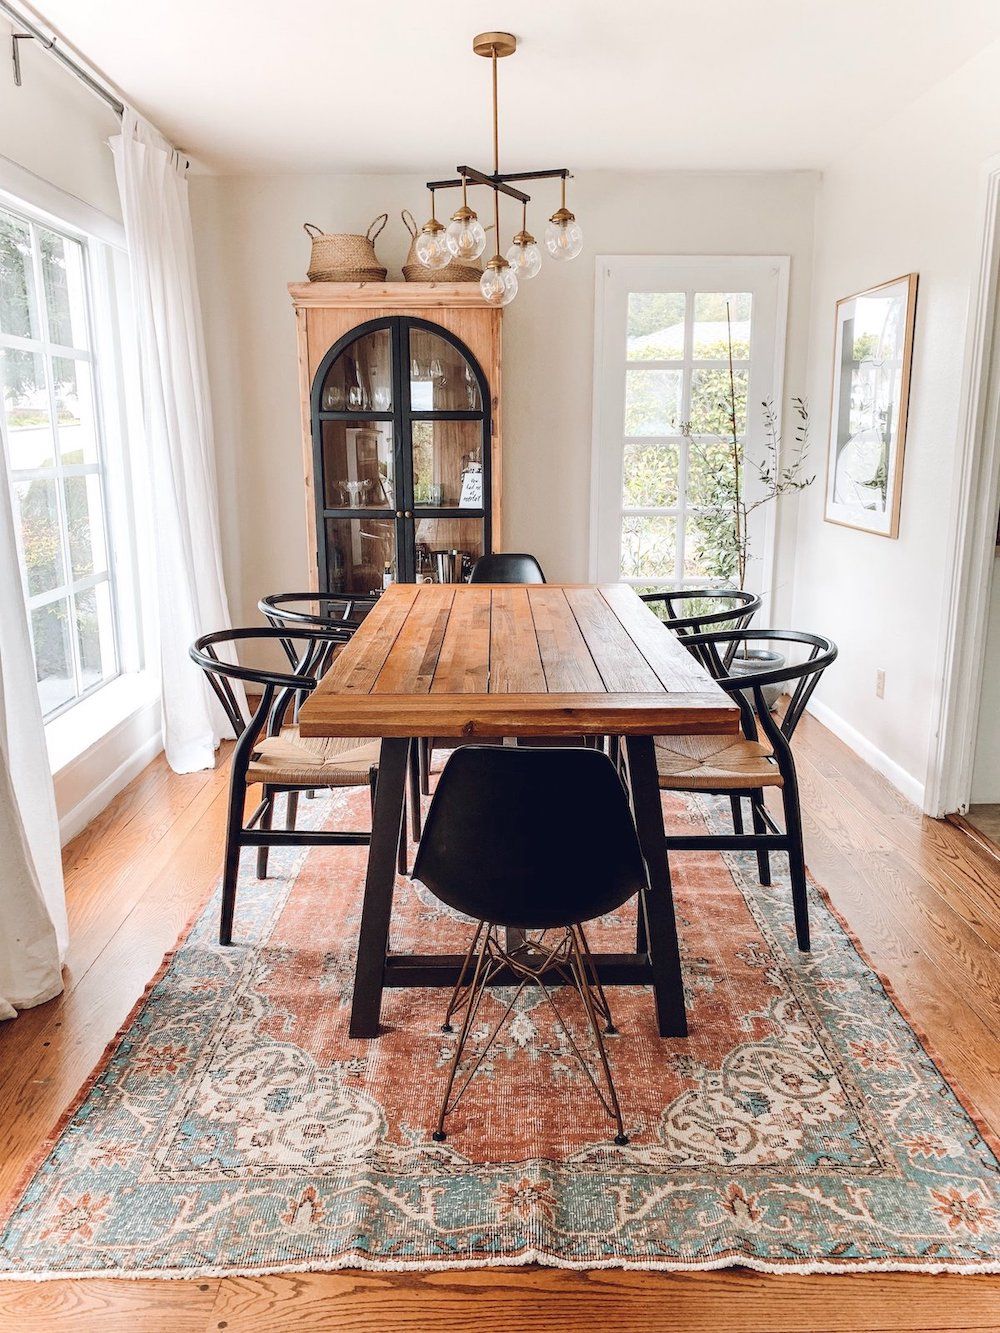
(528, 1258)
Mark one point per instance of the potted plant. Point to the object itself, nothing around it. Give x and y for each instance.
(724, 536)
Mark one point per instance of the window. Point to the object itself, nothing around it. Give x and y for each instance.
(660, 416)
(52, 433)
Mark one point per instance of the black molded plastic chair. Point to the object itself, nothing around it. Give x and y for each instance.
(742, 766)
(502, 844)
(270, 751)
(342, 612)
(507, 567)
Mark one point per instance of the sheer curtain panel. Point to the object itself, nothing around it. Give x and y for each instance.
(32, 905)
(178, 429)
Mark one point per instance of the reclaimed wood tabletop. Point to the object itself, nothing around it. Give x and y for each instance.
(463, 660)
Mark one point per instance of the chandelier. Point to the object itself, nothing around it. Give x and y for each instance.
(465, 236)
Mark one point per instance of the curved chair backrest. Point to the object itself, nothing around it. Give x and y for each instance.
(503, 843)
(686, 612)
(718, 650)
(278, 688)
(316, 608)
(507, 567)
(342, 611)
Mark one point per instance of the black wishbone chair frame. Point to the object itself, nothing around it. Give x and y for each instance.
(744, 606)
(715, 651)
(280, 692)
(281, 611)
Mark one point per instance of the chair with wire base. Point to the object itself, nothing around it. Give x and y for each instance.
(502, 844)
(741, 767)
(270, 751)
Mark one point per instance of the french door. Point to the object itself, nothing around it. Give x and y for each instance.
(661, 428)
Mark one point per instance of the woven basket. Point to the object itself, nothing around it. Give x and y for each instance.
(344, 256)
(414, 271)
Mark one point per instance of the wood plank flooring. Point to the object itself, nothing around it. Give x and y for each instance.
(922, 898)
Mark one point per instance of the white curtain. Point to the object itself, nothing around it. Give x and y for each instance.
(33, 929)
(178, 424)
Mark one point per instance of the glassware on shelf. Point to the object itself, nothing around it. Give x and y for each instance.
(333, 398)
(381, 398)
(355, 491)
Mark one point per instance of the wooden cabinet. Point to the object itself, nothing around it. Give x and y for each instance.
(400, 392)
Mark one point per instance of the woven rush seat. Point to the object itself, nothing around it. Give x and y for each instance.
(710, 763)
(290, 759)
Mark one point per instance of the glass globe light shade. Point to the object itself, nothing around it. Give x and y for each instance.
(563, 235)
(499, 283)
(466, 236)
(430, 247)
(524, 256)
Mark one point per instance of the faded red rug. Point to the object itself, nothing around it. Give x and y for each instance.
(235, 1128)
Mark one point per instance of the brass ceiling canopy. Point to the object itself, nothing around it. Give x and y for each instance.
(497, 44)
(464, 240)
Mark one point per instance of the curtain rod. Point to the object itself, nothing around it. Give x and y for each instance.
(51, 44)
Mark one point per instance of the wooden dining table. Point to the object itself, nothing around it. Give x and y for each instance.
(459, 662)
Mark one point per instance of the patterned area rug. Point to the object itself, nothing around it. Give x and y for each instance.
(235, 1128)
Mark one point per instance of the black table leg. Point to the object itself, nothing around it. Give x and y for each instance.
(373, 938)
(658, 903)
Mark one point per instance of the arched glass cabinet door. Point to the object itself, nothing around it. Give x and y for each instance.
(448, 432)
(400, 414)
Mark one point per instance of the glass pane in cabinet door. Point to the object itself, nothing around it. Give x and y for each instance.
(358, 468)
(447, 464)
(357, 552)
(447, 548)
(441, 378)
(360, 379)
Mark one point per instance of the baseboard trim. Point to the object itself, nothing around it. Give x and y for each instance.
(75, 820)
(905, 782)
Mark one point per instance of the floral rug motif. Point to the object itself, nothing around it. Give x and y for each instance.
(235, 1127)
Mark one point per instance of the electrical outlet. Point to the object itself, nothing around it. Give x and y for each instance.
(880, 684)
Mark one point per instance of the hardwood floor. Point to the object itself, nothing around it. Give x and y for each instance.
(922, 898)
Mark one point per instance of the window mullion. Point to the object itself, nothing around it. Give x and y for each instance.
(683, 460)
(57, 471)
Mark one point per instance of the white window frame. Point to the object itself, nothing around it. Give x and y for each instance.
(766, 277)
(75, 729)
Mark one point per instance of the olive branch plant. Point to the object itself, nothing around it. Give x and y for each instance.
(724, 537)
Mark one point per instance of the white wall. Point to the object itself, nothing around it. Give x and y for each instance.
(248, 232)
(907, 199)
(986, 770)
(56, 128)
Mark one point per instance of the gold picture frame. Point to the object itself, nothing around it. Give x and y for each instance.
(869, 401)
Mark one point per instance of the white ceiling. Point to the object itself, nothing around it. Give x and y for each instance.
(393, 85)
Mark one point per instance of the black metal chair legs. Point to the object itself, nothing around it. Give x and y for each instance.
(532, 960)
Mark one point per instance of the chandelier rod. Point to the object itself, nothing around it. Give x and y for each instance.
(496, 118)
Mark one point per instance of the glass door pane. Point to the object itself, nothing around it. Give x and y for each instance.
(357, 551)
(358, 465)
(360, 379)
(447, 464)
(447, 548)
(441, 378)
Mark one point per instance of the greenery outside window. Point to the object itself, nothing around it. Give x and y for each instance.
(51, 428)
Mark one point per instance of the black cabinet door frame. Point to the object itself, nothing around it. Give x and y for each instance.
(402, 415)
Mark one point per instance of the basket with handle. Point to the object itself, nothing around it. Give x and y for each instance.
(345, 256)
(454, 271)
